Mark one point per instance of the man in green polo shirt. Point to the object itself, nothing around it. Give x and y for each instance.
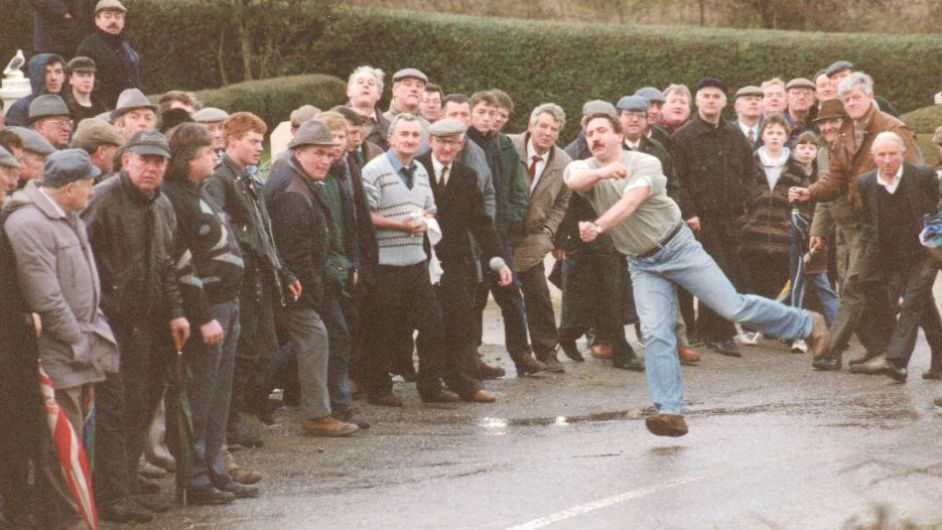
(646, 225)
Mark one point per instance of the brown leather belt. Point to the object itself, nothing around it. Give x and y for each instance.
(660, 244)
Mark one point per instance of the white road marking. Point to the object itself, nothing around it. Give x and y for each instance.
(601, 503)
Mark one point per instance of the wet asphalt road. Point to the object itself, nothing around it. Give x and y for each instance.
(772, 444)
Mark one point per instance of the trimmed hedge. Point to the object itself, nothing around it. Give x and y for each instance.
(924, 120)
(274, 99)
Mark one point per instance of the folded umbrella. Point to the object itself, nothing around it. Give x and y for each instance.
(180, 422)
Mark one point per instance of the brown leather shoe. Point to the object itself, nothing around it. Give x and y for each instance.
(820, 338)
(602, 350)
(481, 396)
(386, 400)
(490, 372)
(245, 476)
(666, 425)
(444, 396)
(529, 365)
(688, 355)
(328, 426)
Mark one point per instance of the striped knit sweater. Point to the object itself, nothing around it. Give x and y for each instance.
(389, 197)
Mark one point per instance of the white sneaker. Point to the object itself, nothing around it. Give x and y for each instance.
(800, 346)
(749, 338)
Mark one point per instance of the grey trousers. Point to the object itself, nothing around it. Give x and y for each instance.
(308, 336)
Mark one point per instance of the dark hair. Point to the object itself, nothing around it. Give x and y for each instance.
(458, 99)
(186, 140)
(775, 119)
(170, 96)
(432, 87)
(616, 124)
(485, 96)
(807, 137)
(10, 139)
(503, 99)
(170, 118)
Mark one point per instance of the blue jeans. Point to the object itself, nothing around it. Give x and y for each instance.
(682, 261)
(826, 295)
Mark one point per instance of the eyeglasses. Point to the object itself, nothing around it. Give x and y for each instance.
(61, 121)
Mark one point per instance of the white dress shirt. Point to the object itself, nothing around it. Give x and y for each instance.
(540, 164)
(890, 187)
(437, 167)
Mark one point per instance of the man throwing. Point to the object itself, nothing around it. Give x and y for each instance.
(646, 225)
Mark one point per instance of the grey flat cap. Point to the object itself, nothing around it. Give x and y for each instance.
(92, 133)
(839, 66)
(799, 82)
(303, 113)
(749, 90)
(633, 103)
(67, 166)
(47, 105)
(8, 160)
(410, 72)
(110, 4)
(652, 94)
(210, 115)
(148, 143)
(33, 141)
(597, 106)
(130, 99)
(313, 133)
(447, 127)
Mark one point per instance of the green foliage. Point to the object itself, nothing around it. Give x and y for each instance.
(924, 120)
(274, 99)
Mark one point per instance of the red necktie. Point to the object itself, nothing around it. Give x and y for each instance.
(534, 159)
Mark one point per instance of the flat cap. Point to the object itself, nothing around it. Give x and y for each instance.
(303, 113)
(711, 82)
(81, 64)
(92, 133)
(749, 90)
(409, 72)
(633, 104)
(47, 105)
(830, 109)
(210, 115)
(130, 99)
(447, 127)
(110, 4)
(597, 106)
(937, 136)
(799, 82)
(148, 143)
(351, 115)
(33, 141)
(8, 160)
(652, 94)
(313, 133)
(839, 66)
(67, 166)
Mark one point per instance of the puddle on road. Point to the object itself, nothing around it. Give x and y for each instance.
(497, 426)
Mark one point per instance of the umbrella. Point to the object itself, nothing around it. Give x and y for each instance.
(180, 421)
(798, 258)
(70, 453)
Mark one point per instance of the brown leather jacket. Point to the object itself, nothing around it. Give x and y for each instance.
(847, 162)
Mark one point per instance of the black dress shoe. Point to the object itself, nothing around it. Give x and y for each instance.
(385, 400)
(865, 358)
(726, 347)
(443, 396)
(241, 491)
(528, 365)
(552, 364)
(125, 511)
(826, 364)
(896, 373)
(490, 372)
(571, 350)
(632, 363)
(208, 496)
(932, 374)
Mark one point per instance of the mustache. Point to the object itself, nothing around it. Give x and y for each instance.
(597, 144)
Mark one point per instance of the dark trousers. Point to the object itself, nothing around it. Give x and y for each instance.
(125, 405)
(335, 312)
(257, 354)
(209, 390)
(510, 301)
(541, 321)
(719, 241)
(455, 292)
(764, 274)
(911, 279)
(401, 301)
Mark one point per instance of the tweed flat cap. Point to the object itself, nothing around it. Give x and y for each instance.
(210, 115)
(130, 99)
(47, 105)
(148, 143)
(110, 4)
(303, 113)
(410, 72)
(8, 160)
(839, 66)
(447, 127)
(597, 106)
(830, 109)
(313, 133)
(749, 90)
(799, 82)
(633, 104)
(33, 141)
(652, 94)
(92, 133)
(67, 166)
